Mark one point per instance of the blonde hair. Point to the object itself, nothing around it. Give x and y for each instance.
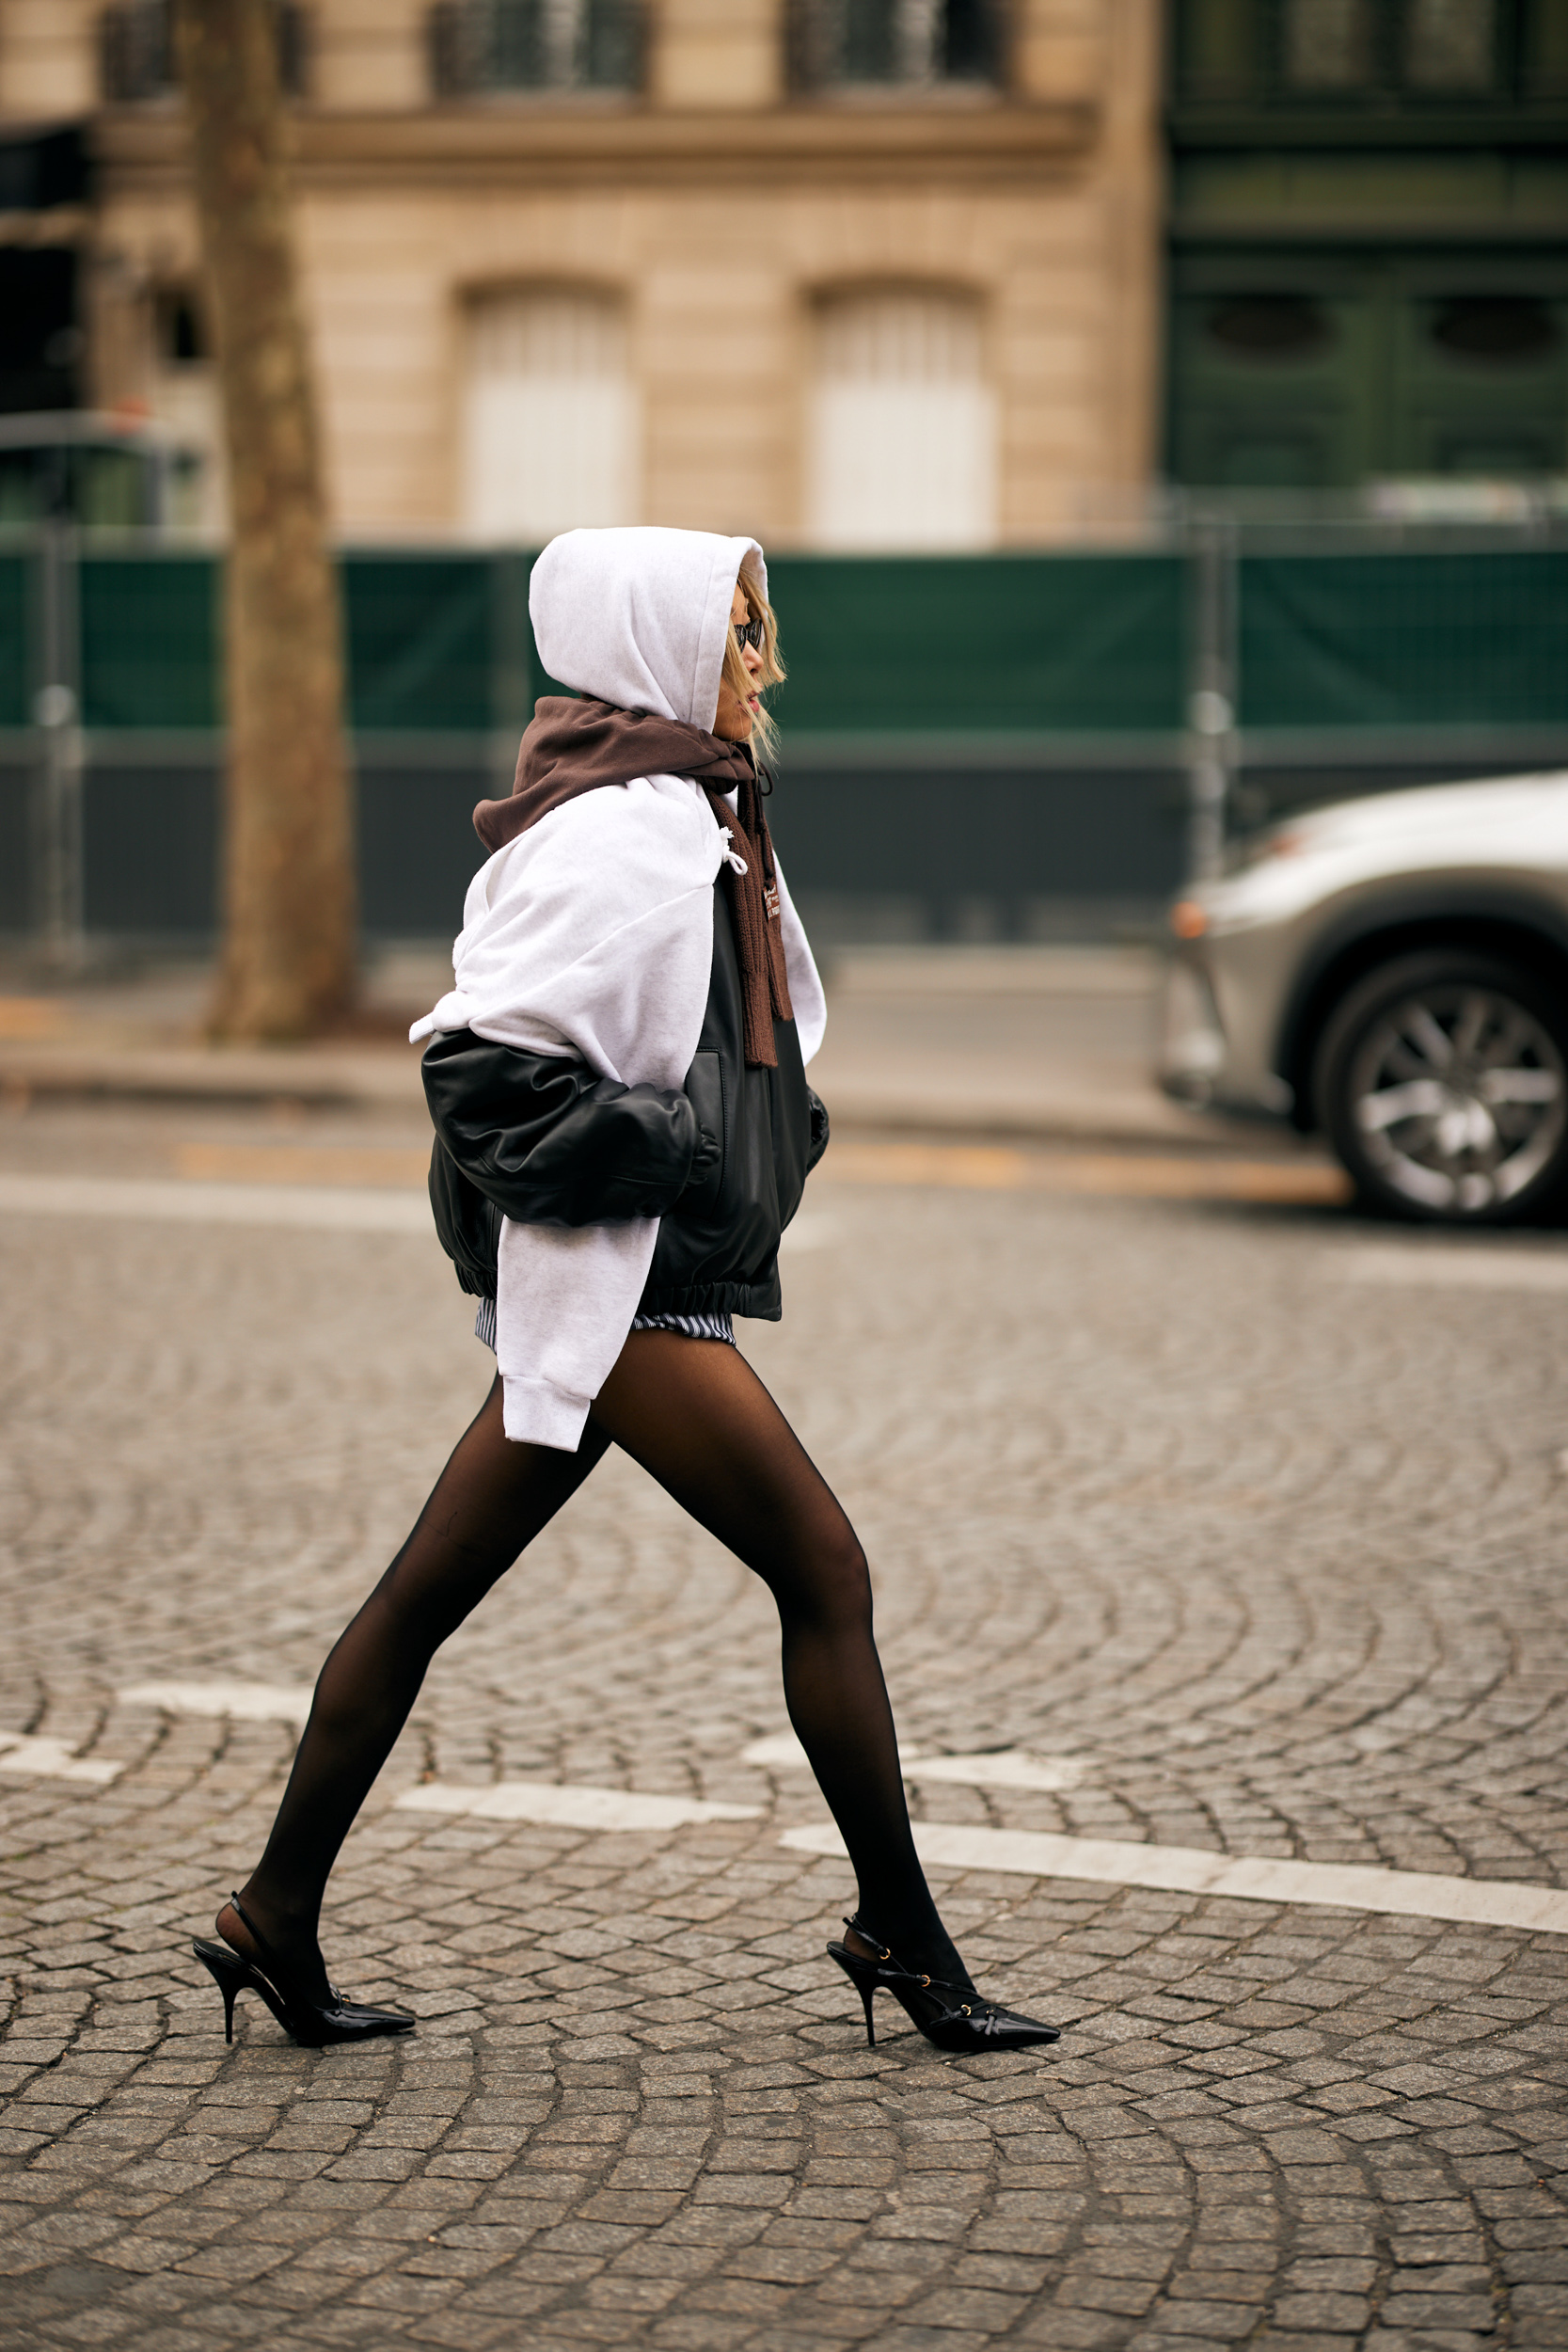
(764, 733)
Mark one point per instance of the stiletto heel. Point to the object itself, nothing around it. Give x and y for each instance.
(228, 1971)
(312, 2022)
(863, 1976)
(951, 2015)
(865, 1992)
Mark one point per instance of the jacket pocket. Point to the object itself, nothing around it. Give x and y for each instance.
(705, 1088)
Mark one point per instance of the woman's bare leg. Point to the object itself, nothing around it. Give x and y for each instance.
(694, 1414)
(491, 1500)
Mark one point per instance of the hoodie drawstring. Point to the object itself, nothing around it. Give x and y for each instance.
(735, 864)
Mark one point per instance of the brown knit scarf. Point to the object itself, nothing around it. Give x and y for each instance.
(577, 745)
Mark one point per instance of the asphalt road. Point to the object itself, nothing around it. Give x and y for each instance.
(1218, 1542)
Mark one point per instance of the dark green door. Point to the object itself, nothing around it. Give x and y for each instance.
(1289, 372)
(1369, 240)
(1275, 381)
(1481, 383)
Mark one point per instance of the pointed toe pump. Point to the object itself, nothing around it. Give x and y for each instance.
(951, 2015)
(312, 2022)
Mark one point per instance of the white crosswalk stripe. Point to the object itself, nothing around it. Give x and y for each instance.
(1191, 1871)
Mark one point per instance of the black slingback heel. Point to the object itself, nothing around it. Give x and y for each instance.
(312, 2022)
(952, 2016)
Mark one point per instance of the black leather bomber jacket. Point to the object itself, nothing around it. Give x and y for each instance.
(723, 1164)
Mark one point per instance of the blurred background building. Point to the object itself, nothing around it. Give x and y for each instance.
(845, 272)
(848, 273)
(1164, 406)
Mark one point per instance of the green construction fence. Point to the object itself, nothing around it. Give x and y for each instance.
(879, 645)
(969, 741)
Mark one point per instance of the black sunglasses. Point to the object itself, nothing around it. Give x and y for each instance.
(748, 632)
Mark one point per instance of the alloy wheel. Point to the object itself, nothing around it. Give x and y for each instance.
(1444, 1084)
(1458, 1096)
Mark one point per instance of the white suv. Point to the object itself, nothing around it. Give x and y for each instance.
(1395, 972)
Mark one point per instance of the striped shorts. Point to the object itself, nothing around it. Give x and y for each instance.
(690, 1326)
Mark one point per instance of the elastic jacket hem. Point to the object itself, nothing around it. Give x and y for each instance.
(762, 1301)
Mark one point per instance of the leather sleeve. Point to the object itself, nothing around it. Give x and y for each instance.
(548, 1143)
(818, 1110)
(467, 1224)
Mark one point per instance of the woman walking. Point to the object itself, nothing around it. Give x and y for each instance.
(624, 1129)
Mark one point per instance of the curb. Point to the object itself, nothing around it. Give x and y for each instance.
(237, 1074)
(323, 1079)
(1117, 1121)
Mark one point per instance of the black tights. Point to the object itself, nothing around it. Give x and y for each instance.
(694, 1414)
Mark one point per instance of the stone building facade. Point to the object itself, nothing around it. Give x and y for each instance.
(857, 273)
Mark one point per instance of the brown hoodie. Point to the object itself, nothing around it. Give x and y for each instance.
(575, 745)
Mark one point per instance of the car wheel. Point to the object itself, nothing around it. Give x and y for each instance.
(1442, 1080)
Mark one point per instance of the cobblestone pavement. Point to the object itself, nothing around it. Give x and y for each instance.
(1272, 1558)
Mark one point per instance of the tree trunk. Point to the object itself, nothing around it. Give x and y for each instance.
(289, 915)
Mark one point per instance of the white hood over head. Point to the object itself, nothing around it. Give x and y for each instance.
(637, 616)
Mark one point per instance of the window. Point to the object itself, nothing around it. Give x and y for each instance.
(42, 342)
(902, 434)
(136, 51)
(1496, 331)
(183, 391)
(492, 46)
(910, 44)
(551, 424)
(1328, 45)
(179, 329)
(1450, 44)
(1436, 46)
(1270, 327)
(1413, 53)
